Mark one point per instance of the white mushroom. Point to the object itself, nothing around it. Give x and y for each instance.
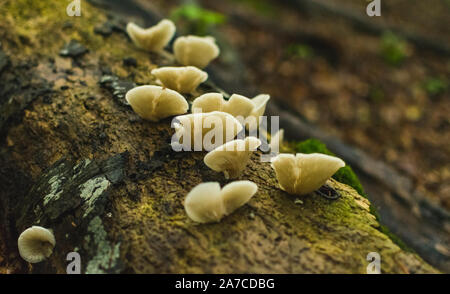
(232, 157)
(207, 203)
(36, 244)
(181, 79)
(195, 51)
(154, 38)
(204, 131)
(301, 174)
(155, 103)
(238, 105)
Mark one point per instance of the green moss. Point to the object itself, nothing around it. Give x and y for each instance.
(199, 20)
(344, 175)
(303, 51)
(393, 49)
(435, 86)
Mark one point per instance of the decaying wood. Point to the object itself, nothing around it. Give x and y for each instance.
(76, 159)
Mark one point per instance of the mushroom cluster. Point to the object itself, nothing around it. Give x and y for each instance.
(213, 120)
(213, 125)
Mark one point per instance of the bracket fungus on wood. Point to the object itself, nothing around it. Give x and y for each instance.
(154, 38)
(36, 244)
(154, 102)
(204, 131)
(302, 174)
(232, 157)
(237, 105)
(181, 79)
(195, 51)
(208, 203)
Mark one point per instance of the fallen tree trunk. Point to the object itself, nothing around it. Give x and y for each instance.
(76, 159)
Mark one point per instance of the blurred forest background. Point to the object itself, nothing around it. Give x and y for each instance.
(380, 83)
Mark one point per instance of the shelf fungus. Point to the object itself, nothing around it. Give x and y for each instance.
(232, 157)
(204, 131)
(36, 244)
(195, 51)
(207, 203)
(154, 38)
(239, 106)
(302, 174)
(154, 102)
(181, 79)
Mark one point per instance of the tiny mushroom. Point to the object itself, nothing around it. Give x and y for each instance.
(154, 102)
(232, 157)
(181, 79)
(195, 51)
(302, 174)
(154, 38)
(36, 244)
(205, 131)
(237, 105)
(208, 203)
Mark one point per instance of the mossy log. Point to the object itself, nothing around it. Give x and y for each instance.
(76, 159)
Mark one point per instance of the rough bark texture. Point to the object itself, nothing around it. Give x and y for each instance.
(76, 159)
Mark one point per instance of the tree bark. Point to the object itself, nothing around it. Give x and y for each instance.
(76, 159)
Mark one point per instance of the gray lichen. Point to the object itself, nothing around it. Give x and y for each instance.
(91, 191)
(55, 191)
(106, 255)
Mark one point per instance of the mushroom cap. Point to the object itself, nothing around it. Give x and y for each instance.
(207, 203)
(207, 103)
(155, 103)
(237, 105)
(232, 157)
(213, 127)
(304, 173)
(181, 79)
(204, 203)
(36, 244)
(154, 38)
(196, 51)
(260, 103)
(236, 194)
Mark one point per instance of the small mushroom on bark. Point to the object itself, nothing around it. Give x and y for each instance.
(181, 79)
(208, 203)
(36, 244)
(154, 102)
(302, 174)
(238, 105)
(154, 38)
(232, 157)
(204, 131)
(195, 51)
